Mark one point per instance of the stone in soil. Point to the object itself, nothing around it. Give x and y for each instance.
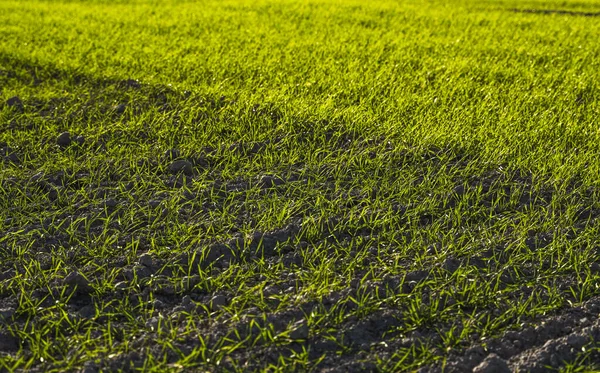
(64, 139)
(181, 166)
(492, 364)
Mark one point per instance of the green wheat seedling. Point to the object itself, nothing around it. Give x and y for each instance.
(257, 185)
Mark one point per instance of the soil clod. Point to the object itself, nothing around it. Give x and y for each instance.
(87, 312)
(451, 265)
(492, 364)
(110, 203)
(217, 302)
(146, 260)
(78, 282)
(299, 330)
(64, 139)
(181, 166)
(14, 101)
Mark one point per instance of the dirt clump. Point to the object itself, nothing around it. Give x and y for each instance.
(492, 364)
(181, 166)
(63, 139)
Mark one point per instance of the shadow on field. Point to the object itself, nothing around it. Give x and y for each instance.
(390, 315)
(557, 11)
(100, 98)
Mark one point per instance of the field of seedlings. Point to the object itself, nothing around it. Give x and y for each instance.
(300, 185)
